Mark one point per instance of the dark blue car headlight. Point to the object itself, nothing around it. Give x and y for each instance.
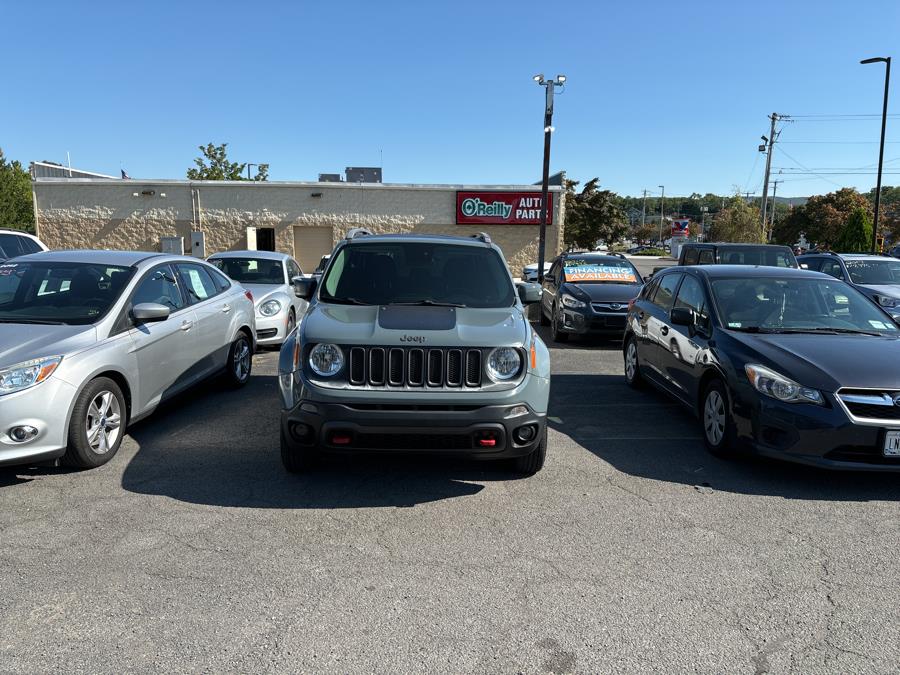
(781, 388)
(887, 301)
(571, 302)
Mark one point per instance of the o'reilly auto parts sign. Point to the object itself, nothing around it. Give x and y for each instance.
(501, 208)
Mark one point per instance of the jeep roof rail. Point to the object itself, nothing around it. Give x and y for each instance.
(358, 232)
(482, 236)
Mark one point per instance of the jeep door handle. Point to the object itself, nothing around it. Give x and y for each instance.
(187, 325)
(226, 308)
(664, 330)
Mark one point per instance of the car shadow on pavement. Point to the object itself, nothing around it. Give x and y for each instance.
(648, 435)
(578, 342)
(220, 447)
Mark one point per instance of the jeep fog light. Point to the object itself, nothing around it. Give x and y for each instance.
(326, 359)
(503, 363)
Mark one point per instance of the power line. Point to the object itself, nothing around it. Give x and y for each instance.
(839, 142)
(798, 163)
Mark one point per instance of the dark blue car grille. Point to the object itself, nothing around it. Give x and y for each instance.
(869, 404)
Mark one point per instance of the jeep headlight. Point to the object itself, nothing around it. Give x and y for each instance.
(270, 308)
(571, 302)
(504, 364)
(779, 387)
(326, 359)
(24, 375)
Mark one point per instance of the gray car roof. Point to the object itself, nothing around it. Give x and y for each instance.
(120, 258)
(262, 255)
(448, 238)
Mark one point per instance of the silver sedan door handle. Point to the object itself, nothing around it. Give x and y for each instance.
(226, 308)
(187, 325)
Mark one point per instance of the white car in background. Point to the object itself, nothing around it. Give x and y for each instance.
(14, 243)
(530, 272)
(269, 276)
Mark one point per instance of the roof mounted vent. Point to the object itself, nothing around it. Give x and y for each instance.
(481, 236)
(358, 232)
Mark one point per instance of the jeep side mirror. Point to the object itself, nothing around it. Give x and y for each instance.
(305, 287)
(529, 292)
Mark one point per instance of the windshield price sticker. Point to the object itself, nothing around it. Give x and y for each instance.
(599, 273)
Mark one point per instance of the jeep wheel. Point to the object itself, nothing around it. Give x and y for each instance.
(556, 333)
(297, 458)
(533, 462)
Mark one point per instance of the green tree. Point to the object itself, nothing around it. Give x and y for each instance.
(822, 219)
(592, 215)
(738, 222)
(214, 165)
(856, 236)
(16, 210)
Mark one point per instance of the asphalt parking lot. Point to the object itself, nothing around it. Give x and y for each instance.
(633, 550)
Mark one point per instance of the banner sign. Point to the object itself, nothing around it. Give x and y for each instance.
(681, 227)
(501, 208)
(599, 273)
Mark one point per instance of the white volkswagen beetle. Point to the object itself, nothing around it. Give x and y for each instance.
(268, 275)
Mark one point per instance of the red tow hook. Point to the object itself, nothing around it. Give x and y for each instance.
(487, 441)
(340, 439)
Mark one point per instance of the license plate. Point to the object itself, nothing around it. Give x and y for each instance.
(892, 444)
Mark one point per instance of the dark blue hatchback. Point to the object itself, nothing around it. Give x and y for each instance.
(784, 362)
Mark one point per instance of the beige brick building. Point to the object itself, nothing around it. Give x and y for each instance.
(302, 218)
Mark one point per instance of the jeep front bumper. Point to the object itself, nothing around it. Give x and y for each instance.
(485, 431)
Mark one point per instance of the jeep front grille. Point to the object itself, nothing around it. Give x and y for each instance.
(414, 367)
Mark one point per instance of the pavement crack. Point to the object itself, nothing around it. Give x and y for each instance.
(633, 493)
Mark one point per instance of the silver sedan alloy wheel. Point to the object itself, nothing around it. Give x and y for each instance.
(714, 417)
(103, 422)
(241, 362)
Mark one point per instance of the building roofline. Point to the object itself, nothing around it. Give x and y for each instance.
(61, 167)
(110, 180)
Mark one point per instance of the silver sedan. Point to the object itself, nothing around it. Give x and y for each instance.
(91, 341)
(269, 276)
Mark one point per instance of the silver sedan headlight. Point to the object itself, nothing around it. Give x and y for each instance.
(270, 308)
(24, 375)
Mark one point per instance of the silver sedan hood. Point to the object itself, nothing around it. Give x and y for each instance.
(23, 342)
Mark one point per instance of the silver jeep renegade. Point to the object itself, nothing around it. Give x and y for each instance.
(415, 343)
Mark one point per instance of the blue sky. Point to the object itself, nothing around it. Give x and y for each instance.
(658, 92)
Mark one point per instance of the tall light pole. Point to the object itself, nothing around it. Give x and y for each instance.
(662, 206)
(248, 170)
(887, 82)
(550, 86)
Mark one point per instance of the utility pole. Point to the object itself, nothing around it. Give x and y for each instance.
(644, 210)
(772, 218)
(550, 86)
(662, 206)
(770, 142)
(886, 60)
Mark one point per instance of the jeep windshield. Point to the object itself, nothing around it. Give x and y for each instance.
(414, 272)
(595, 269)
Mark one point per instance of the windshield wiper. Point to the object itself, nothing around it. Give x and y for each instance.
(41, 322)
(346, 301)
(427, 303)
(822, 330)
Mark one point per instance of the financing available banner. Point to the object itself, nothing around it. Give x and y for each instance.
(599, 273)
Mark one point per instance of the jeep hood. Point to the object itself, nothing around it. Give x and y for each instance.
(388, 325)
